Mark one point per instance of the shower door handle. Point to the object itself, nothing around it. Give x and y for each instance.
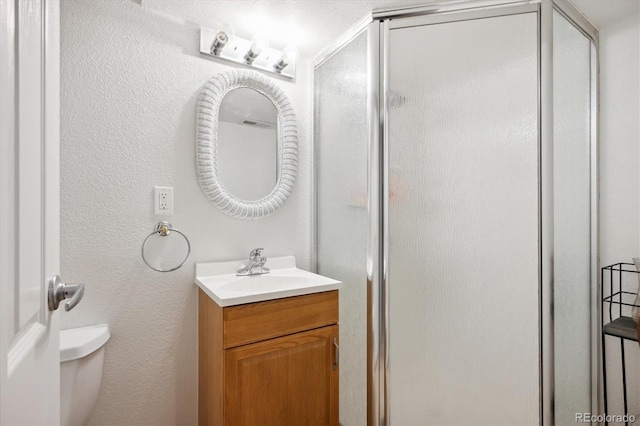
(59, 291)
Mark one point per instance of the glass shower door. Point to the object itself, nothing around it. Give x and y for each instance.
(341, 144)
(463, 221)
(572, 220)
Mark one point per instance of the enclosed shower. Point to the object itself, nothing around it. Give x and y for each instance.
(455, 153)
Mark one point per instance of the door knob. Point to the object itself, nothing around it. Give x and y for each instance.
(59, 291)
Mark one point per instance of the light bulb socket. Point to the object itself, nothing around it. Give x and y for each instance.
(289, 55)
(280, 65)
(252, 54)
(219, 42)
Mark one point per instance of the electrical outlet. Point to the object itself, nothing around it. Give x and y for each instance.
(163, 200)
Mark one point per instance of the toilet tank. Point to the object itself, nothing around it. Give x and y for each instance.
(81, 366)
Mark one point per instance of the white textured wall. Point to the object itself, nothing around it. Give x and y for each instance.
(130, 79)
(620, 177)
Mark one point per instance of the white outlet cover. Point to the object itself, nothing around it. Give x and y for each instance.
(163, 200)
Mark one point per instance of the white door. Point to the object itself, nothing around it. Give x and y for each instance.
(29, 211)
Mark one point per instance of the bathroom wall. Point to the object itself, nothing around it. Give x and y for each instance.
(620, 178)
(130, 79)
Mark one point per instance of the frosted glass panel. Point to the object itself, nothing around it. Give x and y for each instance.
(341, 142)
(463, 223)
(572, 282)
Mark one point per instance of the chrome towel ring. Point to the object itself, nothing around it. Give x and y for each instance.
(163, 229)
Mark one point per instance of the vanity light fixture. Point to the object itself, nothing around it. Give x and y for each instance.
(223, 44)
(219, 42)
(289, 55)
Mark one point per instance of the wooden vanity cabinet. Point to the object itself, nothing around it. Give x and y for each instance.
(269, 363)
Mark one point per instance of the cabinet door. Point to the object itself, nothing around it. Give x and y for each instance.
(285, 381)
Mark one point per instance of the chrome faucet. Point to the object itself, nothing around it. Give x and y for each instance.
(255, 265)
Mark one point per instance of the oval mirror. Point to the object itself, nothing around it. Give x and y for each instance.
(246, 147)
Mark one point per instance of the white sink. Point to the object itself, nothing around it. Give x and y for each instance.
(220, 282)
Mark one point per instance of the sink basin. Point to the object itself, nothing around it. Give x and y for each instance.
(262, 283)
(219, 281)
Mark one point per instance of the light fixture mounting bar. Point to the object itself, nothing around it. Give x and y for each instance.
(236, 48)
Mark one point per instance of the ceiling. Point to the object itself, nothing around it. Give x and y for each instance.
(312, 25)
(604, 12)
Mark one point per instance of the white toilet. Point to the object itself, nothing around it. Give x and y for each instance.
(81, 362)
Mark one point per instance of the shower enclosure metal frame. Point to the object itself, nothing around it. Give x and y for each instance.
(377, 25)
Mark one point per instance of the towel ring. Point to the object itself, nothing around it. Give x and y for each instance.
(163, 229)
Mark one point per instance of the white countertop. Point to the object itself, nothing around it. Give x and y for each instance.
(219, 281)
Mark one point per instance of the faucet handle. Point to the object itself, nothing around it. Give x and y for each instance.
(256, 254)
